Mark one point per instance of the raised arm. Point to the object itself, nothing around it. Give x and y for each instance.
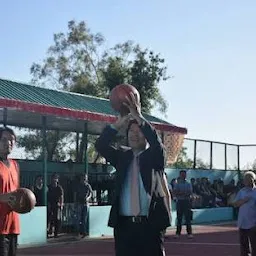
(156, 146)
(102, 145)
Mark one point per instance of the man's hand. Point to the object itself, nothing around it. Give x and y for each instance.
(241, 201)
(135, 107)
(9, 199)
(246, 199)
(60, 205)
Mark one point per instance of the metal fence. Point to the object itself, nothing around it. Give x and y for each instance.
(203, 154)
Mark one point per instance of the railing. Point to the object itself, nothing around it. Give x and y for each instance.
(203, 154)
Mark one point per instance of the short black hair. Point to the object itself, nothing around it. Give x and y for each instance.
(7, 129)
(39, 176)
(55, 176)
(83, 175)
(131, 122)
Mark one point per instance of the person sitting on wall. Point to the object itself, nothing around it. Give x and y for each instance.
(196, 199)
(205, 193)
(222, 196)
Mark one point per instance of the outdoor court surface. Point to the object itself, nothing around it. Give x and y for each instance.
(215, 240)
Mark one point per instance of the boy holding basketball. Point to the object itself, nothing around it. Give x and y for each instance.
(9, 182)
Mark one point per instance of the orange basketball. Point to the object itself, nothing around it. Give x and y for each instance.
(118, 97)
(25, 200)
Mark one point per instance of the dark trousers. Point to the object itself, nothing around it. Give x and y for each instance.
(235, 213)
(247, 238)
(138, 239)
(8, 245)
(54, 219)
(82, 213)
(184, 209)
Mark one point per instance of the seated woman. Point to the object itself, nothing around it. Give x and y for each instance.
(196, 199)
(208, 198)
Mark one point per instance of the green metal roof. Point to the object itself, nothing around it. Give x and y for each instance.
(61, 99)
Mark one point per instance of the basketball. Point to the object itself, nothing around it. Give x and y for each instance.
(25, 200)
(118, 97)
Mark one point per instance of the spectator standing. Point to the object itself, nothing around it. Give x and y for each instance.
(183, 192)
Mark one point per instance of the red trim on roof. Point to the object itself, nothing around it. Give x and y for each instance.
(76, 114)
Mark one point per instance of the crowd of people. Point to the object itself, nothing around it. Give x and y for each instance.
(241, 196)
(207, 194)
(82, 193)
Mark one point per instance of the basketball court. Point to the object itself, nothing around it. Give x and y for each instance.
(210, 240)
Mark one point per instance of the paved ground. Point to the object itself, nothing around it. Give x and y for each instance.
(208, 240)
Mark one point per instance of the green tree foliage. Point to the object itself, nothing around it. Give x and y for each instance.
(79, 61)
(184, 162)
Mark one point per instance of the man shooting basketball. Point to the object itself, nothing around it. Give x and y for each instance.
(139, 214)
(9, 181)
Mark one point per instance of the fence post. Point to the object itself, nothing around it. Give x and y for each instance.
(225, 157)
(45, 158)
(194, 164)
(238, 162)
(210, 155)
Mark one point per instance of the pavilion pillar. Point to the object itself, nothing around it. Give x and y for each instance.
(45, 156)
(85, 136)
(5, 117)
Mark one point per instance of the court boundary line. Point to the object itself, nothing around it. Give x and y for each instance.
(203, 243)
(189, 243)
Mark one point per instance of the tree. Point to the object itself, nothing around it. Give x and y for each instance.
(233, 168)
(128, 63)
(73, 61)
(184, 162)
(78, 61)
(200, 164)
(33, 144)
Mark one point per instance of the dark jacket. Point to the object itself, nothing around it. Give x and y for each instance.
(151, 160)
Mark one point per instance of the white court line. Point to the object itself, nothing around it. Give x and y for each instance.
(185, 243)
(197, 243)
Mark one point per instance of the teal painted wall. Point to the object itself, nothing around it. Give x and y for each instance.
(98, 219)
(212, 215)
(33, 227)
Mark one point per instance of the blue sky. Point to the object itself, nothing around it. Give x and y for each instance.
(209, 47)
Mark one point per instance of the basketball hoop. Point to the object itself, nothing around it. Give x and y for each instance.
(173, 142)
